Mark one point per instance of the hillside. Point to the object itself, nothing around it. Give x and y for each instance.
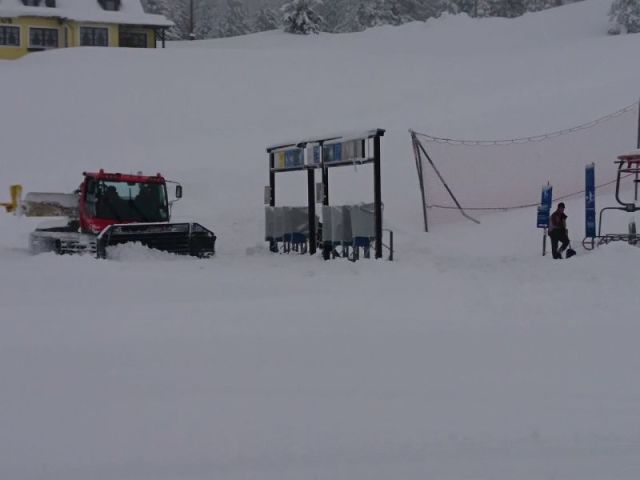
(471, 356)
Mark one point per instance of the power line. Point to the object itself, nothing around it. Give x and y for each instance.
(518, 207)
(535, 138)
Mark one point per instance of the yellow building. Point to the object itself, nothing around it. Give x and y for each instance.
(35, 25)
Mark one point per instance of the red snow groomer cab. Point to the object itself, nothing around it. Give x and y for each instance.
(111, 209)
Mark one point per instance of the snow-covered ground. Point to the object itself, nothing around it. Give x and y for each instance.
(470, 357)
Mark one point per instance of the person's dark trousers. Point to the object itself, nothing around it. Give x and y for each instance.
(558, 236)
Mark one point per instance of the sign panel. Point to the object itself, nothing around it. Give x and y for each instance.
(313, 156)
(293, 158)
(349, 151)
(544, 209)
(353, 150)
(332, 153)
(590, 201)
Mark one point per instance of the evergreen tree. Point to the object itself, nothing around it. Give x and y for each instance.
(445, 6)
(625, 16)
(465, 6)
(266, 19)
(236, 21)
(411, 10)
(337, 15)
(300, 17)
(513, 8)
(158, 7)
(537, 5)
(202, 20)
(376, 13)
(179, 12)
(204, 13)
(501, 8)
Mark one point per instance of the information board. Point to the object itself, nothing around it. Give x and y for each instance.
(544, 209)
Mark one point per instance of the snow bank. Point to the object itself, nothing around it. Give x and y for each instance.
(470, 357)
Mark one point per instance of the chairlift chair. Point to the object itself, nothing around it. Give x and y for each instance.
(628, 165)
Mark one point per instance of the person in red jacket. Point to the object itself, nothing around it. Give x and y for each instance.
(558, 231)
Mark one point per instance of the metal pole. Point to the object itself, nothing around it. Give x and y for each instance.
(326, 249)
(325, 178)
(637, 183)
(272, 193)
(311, 198)
(638, 140)
(419, 167)
(272, 180)
(377, 194)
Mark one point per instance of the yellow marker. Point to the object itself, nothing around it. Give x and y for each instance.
(16, 194)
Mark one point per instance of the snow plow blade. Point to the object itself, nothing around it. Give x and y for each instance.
(180, 238)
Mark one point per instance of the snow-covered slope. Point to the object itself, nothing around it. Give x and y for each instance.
(470, 357)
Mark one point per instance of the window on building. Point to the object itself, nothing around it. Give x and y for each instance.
(94, 37)
(43, 38)
(39, 3)
(111, 5)
(9, 36)
(133, 39)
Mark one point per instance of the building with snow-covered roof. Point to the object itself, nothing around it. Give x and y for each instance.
(34, 25)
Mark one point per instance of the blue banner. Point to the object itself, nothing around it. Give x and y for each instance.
(544, 210)
(590, 201)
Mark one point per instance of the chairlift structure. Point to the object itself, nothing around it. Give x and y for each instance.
(351, 226)
(629, 170)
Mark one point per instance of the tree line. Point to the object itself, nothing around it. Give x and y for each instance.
(200, 19)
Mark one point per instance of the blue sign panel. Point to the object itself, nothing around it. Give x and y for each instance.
(543, 218)
(333, 153)
(294, 158)
(544, 209)
(590, 201)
